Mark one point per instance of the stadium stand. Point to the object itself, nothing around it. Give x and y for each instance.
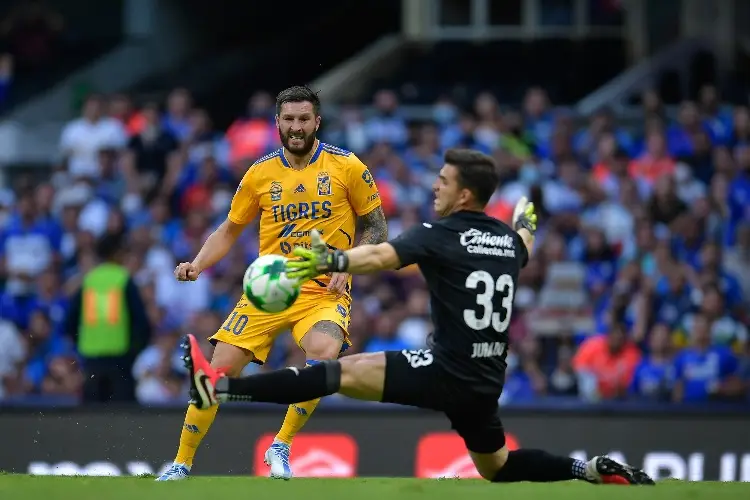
(639, 288)
(645, 231)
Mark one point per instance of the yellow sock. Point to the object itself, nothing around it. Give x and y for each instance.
(197, 423)
(296, 418)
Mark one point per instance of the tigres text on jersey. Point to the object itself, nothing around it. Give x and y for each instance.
(328, 195)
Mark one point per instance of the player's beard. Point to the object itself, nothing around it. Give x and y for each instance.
(307, 143)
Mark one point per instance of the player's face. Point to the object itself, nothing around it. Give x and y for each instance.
(449, 195)
(297, 125)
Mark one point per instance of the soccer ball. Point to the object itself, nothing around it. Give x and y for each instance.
(266, 285)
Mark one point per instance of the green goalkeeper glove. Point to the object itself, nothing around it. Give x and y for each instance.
(317, 260)
(524, 216)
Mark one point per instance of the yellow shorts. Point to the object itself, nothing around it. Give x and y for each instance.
(253, 330)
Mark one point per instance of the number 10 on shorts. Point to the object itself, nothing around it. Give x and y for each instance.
(235, 323)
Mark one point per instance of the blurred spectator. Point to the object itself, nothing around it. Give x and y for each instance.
(563, 381)
(254, 134)
(602, 125)
(737, 259)
(654, 376)
(665, 206)
(44, 348)
(176, 120)
(7, 203)
(716, 117)
(385, 336)
(611, 360)
(724, 330)
(63, 378)
(121, 109)
(539, 118)
(386, 126)
(203, 141)
(525, 379)
(653, 106)
(146, 162)
(738, 193)
(740, 128)
(83, 138)
(673, 296)
(682, 136)
(12, 358)
(28, 245)
(158, 369)
(703, 371)
(107, 319)
(655, 161)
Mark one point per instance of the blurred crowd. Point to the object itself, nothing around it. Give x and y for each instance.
(638, 289)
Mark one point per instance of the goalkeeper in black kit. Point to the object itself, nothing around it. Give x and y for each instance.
(471, 263)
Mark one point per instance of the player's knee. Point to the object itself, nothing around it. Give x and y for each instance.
(490, 465)
(230, 358)
(322, 347)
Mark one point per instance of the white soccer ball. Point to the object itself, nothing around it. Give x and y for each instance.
(266, 285)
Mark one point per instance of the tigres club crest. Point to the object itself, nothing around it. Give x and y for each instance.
(324, 184)
(275, 191)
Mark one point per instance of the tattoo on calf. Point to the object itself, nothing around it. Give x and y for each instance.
(374, 227)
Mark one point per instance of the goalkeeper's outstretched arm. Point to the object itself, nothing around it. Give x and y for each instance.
(366, 259)
(524, 222)
(527, 238)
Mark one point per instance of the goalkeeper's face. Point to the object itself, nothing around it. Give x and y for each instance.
(297, 125)
(449, 195)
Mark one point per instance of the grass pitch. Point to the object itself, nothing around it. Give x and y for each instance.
(21, 487)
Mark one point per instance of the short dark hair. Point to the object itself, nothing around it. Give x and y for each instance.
(477, 172)
(110, 245)
(298, 93)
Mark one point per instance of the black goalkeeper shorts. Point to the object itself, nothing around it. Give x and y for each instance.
(415, 378)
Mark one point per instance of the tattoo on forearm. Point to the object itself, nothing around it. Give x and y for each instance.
(374, 227)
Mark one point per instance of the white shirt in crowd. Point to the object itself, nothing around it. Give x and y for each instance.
(83, 139)
(12, 353)
(149, 387)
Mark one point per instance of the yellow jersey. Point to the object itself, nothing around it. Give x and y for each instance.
(328, 195)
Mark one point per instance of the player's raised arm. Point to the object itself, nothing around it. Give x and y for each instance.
(243, 210)
(524, 222)
(217, 245)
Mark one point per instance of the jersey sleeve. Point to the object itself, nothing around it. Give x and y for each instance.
(245, 201)
(363, 192)
(415, 245)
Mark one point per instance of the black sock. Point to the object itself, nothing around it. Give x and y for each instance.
(538, 466)
(287, 386)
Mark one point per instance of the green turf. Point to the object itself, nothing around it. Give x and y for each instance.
(18, 487)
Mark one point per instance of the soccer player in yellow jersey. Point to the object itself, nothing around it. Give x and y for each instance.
(305, 185)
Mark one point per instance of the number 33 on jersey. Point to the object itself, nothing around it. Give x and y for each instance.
(328, 195)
